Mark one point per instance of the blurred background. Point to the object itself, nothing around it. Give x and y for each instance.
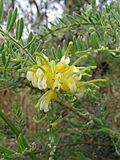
(37, 13)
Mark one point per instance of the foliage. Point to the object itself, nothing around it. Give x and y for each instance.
(78, 126)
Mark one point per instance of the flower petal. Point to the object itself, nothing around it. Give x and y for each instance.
(29, 75)
(45, 99)
(65, 60)
(42, 84)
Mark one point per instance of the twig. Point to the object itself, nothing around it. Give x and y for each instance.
(71, 108)
(36, 5)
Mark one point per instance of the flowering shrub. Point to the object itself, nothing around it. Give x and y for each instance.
(54, 76)
(74, 120)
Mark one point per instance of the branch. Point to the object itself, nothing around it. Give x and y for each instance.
(36, 5)
(98, 50)
(64, 27)
(71, 108)
(74, 110)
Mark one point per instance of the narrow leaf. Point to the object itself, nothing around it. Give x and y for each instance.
(17, 29)
(3, 58)
(30, 43)
(8, 61)
(12, 19)
(20, 29)
(9, 123)
(16, 132)
(9, 18)
(98, 121)
(59, 54)
(6, 150)
(105, 130)
(1, 9)
(30, 37)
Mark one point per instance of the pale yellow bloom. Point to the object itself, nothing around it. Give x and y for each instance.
(57, 82)
(45, 99)
(60, 67)
(69, 84)
(42, 59)
(65, 60)
(31, 76)
(69, 71)
(42, 82)
(55, 76)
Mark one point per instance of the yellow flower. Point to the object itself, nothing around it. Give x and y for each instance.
(63, 64)
(42, 82)
(48, 74)
(57, 81)
(53, 66)
(65, 60)
(56, 76)
(60, 67)
(42, 59)
(50, 79)
(31, 76)
(54, 124)
(69, 71)
(69, 84)
(45, 99)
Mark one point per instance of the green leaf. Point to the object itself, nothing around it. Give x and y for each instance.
(1, 9)
(9, 123)
(32, 48)
(59, 53)
(6, 150)
(19, 28)
(18, 146)
(8, 61)
(98, 121)
(39, 46)
(17, 133)
(77, 43)
(53, 53)
(3, 58)
(105, 130)
(12, 20)
(81, 43)
(74, 123)
(20, 143)
(64, 47)
(94, 41)
(30, 43)
(9, 18)
(91, 20)
(30, 37)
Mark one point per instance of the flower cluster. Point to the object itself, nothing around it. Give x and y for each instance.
(54, 76)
